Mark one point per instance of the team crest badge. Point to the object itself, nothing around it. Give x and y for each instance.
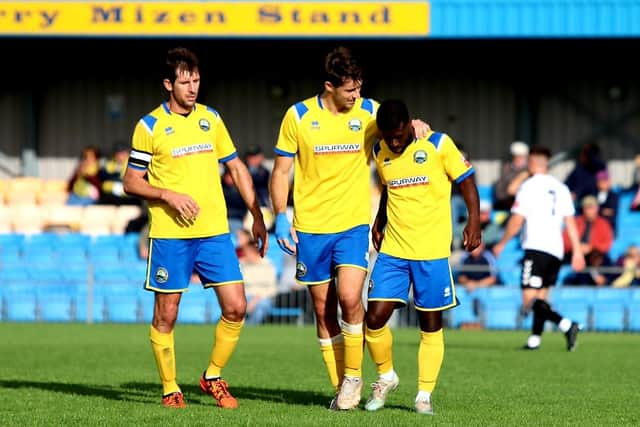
(355, 125)
(204, 124)
(162, 275)
(420, 156)
(301, 270)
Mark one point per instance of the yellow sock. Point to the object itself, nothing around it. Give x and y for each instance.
(226, 339)
(333, 355)
(430, 357)
(353, 349)
(380, 343)
(164, 352)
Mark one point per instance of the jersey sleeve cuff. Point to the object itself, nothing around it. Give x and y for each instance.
(283, 153)
(465, 176)
(229, 157)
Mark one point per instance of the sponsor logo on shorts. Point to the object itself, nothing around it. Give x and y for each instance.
(447, 292)
(355, 125)
(301, 270)
(420, 156)
(204, 125)
(191, 149)
(409, 181)
(336, 149)
(162, 275)
(370, 285)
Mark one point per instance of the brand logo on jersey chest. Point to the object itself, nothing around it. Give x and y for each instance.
(204, 125)
(169, 130)
(315, 125)
(355, 125)
(420, 156)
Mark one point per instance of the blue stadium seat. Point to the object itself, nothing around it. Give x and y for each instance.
(146, 306)
(21, 308)
(11, 240)
(56, 308)
(465, 311)
(122, 309)
(500, 306)
(46, 274)
(80, 309)
(634, 315)
(104, 256)
(193, 309)
(110, 273)
(10, 256)
(574, 303)
(485, 192)
(74, 240)
(609, 309)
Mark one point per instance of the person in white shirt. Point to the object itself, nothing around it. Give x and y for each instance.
(542, 207)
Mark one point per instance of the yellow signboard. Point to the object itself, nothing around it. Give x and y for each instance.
(216, 19)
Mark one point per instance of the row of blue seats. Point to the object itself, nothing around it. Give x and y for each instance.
(75, 273)
(61, 240)
(601, 309)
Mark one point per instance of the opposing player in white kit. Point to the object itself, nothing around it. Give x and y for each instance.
(543, 205)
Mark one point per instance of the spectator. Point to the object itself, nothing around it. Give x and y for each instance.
(111, 174)
(254, 159)
(582, 179)
(84, 185)
(607, 198)
(491, 232)
(594, 231)
(260, 282)
(236, 208)
(630, 262)
(479, 269)
(597, 272)
(512, 175)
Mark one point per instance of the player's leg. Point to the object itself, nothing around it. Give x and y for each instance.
(350, 256)
(218, 267)
(540, 272)
(434, 292)
(388, 288)
(430, 356)
(325, 306)
(168, 276)
(314, 270)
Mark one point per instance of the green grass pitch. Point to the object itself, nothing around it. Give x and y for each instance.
(53, 374)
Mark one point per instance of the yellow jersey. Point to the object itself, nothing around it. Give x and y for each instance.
(418, 183)
(331, 182)
(181, 154)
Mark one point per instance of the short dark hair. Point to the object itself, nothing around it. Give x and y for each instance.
(392, 114)
(340, 65)
(179, 58)
(540, 151)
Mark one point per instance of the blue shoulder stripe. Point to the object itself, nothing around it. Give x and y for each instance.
(212, 110)
(435, 139)
(376, 148)
(301, 109)
(367, 105)
(149, 121)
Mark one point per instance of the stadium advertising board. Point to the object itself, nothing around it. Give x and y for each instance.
(215, 19)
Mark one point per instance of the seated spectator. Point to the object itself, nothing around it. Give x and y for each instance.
(491, 232)
(478, 269)
(582, 179)
(254, 159)
(630, 262)
(594, 231)
(260, 282)
(597, 273)
(512, 174)
(607, 199)
(236, 208)
(84, 184)
(111, 174)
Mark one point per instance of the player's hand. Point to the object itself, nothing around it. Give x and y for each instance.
(184, 204)
(377, 234)
(577, 261)
(260, 234)
(498, 248)
(471, 237)
(420, 128)
(283, 234)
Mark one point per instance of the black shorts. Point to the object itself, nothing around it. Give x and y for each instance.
(539, 269)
